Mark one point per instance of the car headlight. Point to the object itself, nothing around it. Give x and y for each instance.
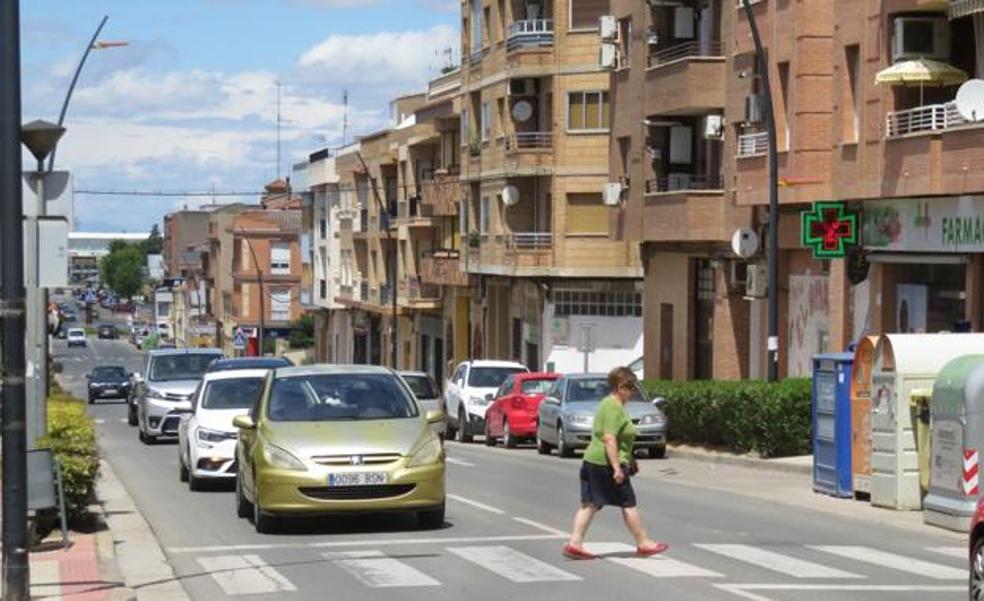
(210, 436)
(281, 459)
(430, 452)
(580, 418)
(652, 420)
(155, 394)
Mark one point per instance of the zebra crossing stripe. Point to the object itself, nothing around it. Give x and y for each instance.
(244, 575)
(376, 570)
(958, 552)
(661, 566)
(777, 562)
(896, 562)
(512, 565)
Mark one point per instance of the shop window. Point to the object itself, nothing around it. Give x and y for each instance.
(569, 303)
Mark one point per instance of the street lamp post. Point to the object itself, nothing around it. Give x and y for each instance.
(259, 280)
(773, 235)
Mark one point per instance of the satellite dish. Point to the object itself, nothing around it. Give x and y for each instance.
(522, 111)
(970, 100)
(744, 242)
(510, 195)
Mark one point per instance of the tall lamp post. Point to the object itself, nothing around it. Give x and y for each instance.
(773, 236)
(259, 281)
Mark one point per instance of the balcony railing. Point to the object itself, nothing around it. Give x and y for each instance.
(750, 145)
(442, 267)
(679, 182)
(532, 240)
(414, 290)
(691, 49)
(531, 33)
(934, 117)
(531, 140)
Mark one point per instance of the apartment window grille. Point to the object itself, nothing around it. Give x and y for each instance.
(280, 304)
(569, 303)
(280, 259)
(587, 111)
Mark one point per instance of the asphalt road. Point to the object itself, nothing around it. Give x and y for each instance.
(508, 512)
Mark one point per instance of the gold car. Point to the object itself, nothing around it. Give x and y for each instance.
(338, 439)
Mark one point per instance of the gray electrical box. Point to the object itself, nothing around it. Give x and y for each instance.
(53, 251)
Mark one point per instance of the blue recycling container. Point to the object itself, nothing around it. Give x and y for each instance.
(832, 472)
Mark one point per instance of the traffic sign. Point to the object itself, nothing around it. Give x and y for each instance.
(239, 339)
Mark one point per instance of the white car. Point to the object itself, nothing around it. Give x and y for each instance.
(76, 337)
(425, 389)
(206, 437)
(469, 392)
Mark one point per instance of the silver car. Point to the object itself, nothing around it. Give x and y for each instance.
(428, 395)
(163, 392)
(566, 415)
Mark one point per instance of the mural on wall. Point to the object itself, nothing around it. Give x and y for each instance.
(809, 321)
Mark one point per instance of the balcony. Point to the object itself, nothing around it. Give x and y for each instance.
(531, 140)
(442, 267)
(686, 79)
(686, 50)
(409, 213)
(530, 33)
(683, 182)
(688, 215)
(441, 196)
(532, 240)
(753, 145)
(519, 254)
(418, 294)
(930, 118)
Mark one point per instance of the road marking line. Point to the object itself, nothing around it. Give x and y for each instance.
(745, 590)
(123, 420)
(461, 462)
(451, 540)
(958, 552)
(895, 562)
(375, 570)
(245, 575)
(513, 565)
(657, 567)
(99, 421)
(476, 504)
(540, 526)
(777, 562)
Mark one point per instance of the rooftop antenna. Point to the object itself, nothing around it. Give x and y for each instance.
(345, 119)
(278, 128)
(449, 58)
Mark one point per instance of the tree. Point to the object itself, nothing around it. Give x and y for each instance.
(154, 244)
(302, 332)
(122, 269)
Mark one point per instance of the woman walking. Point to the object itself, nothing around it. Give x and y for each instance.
(608, 467)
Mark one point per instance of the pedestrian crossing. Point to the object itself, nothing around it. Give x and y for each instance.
(720, 564)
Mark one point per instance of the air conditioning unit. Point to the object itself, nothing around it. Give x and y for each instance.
(753, 109)
(756, 281)
(738, 275)
(613, 193)
(522, 87)
(713, 127)
(921, 37)
(607, 56)
(608, 28)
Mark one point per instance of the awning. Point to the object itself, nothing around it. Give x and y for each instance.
(963, 8)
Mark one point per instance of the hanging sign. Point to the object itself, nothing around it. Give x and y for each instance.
(829, 229)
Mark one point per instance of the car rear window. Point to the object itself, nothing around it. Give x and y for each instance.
(422, 386)
(491, 377)
(339, 397)
(239, 393)
(190, 366)
(109, 372)
(584, 390)
(537, 386)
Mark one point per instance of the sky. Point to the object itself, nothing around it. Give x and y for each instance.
(191, 102)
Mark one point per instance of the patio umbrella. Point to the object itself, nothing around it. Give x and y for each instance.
(921, 72)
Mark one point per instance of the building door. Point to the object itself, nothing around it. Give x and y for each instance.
(666, 341)
(376, 342)
(533, 356)
(704, 320)
(425, 359)
(360, 349)
(439, 361)
(517, 340)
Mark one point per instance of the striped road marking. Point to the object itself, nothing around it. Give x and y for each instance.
(460, 462)
(512, 565)
(777, 562)
(375, 570)
(750, 591)
(475, 504)
(896, 562)
(244, 575)
(660, 566)
(958, 552)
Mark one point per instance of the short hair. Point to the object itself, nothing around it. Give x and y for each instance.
(621, 376)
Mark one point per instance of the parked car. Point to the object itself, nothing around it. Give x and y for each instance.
(206, 436)
(76, 337)
(566, 415)
(337, 439)
(977, 552)
(164, 390)
(62, 332)
(107, 332)
(512, 416)
(425, 389)
(108, 381)
(470, 390)
(237, 363)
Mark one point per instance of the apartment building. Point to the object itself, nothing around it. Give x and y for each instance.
(689, 149)
(181, 229)
(552, 289)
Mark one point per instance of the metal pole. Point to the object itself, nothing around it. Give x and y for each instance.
(37, 409)
(773, 241)
(71, 87)
(259, 280)
(15, 568)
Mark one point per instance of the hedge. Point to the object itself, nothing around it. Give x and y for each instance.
(772, 419)
(72, 439)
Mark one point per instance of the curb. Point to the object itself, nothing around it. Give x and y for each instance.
(768, 465)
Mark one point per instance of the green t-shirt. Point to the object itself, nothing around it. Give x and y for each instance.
(610, 418)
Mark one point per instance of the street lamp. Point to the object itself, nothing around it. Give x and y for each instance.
(773, 236)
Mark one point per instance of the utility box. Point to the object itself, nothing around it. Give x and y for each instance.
(904, 362)
(864, 356)
(832, 424)
(957, 434)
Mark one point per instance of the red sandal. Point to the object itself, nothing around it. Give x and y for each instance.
(650, 551)
(572, 552)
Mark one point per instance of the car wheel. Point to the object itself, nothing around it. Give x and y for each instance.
(244, 508)
(541, 447)
(657, 452)
(489, 439)
(264, 522)
(146, 438)
(562, 448)
(462, 434)
(194, 484)
(131, 415)
(508, 440)
(182, 470)
(92, 400)
(431, 520)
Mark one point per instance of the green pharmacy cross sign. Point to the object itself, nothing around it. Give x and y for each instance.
(829, 229)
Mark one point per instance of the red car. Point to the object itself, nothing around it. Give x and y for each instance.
(977, 552)
(512, 415)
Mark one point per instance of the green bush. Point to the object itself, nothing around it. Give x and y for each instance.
(72, 439)
(772, 419)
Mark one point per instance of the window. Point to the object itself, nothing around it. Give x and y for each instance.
(491, 377)
(782, 111)
(476, 26)
(503, 28)
(465, 127)
(486, 121)
(586, 214)
(280, 258)
(586, 13)
(851, 113)
(587, 111)
(323, 228)
(597, 304)
(486, 27)
(501, 114)
(463, 210)
(484, 216)
(342, 397)
(625, 42)
(280, 304)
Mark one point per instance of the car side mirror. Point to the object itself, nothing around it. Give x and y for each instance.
(552, 400)
(659, 402)
(434, 416)
(243, 422)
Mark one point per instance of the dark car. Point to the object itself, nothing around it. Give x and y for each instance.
(107, 332)
(249, 363)
(68, 314)
(62, 333)
(108, 381)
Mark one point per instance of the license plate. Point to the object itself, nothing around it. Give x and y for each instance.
(358, 479)
(109, 391)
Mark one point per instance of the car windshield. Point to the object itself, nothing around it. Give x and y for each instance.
(238, 393)
(80, 333)
(257, 363)
(109, 372)
(536, 386)
(422, 386)
(339, 397)
(490, 377)
(189, 366)
(591, 390)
